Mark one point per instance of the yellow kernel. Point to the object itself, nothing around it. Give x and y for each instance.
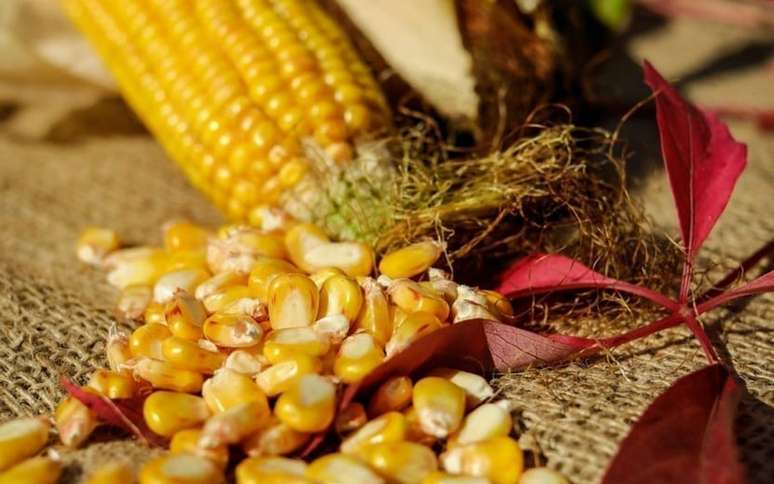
(112, 384)
(187, 442)
(412, 297)
(411, 260)
(233, 330)
(169, 412)
(341, 469)
(485, 422)
(188, 355)
(293, 301)
(275, 439)
(439, 404)
(184, 236)
(271, 470)
(228, 388)
(390, 427)
(285, 343)
(95, 243)
(74, 422)
(350, 418)
(180, 469)
(340, 295)
(393, 395)
(279, 377)
(162, 375)
(234, 424)
(375, 316)
(413, 327)
(112, 473)
(38, 470)
(476, 388)
(542, 475)
(498, 459)
(400, 462)
(354, 258)
(146, 340)
(134, 301)
(357, 356)
(309, 405)
(264, 270)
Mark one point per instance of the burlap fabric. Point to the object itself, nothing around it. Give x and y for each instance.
(69, 158)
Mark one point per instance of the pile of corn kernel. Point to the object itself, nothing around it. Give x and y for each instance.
(244, 338)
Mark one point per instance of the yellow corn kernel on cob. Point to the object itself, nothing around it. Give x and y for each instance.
(231, 88)
(40, 470)
(180, 469)
(112, 473)
(21, 438)
(169, 412)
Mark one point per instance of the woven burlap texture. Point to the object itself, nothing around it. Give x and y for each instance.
(69, 158)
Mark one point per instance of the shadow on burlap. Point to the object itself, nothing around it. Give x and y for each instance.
(69, 158)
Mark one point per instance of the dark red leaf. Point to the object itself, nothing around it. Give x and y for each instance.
(478, 345)
(764, 283)
(685, 436)
(543, 273)
(125, 414)
(703, 161)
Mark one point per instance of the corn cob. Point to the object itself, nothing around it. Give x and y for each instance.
(238, 91)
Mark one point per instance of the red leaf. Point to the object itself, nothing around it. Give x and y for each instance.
(703, 161)
(478, 345)
(543, 273)
(764, 283)
(685, 436)
(125, 413)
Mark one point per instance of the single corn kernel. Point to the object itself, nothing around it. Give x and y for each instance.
(392, 395)
(188, 355)
(278, 378)
(218, 283)
(274, 439)
(233, 330)
(498, 303)
(441, 283)
(308, 405)
(282, 344)
(74, 422)
(180, 469)
(112, 384)
(414, 431)
(133, 301)
(340, 295)
(243, 362)
(476, 388)
(357, 356)
(354, 258)
(135, 268)
(351, 418)
(169, 412)
(542, 475)
(118, 350)
(154, 313)
(470, 304)
(186, 280)
(400, 462)
(439, 477)
(498, 459)
(293, 301)
(221, 300)
(178, 260)
(228, 388)
(163, 375)
(234, 424)
(184, 236)
(390, 427)
(146, 340)
(440, 405)
(187, 442)
(238, 249)
(341, 469)
(413, 327)
(37, 470)
(375, 316)
(412, 297)
(485, 422)
(333, 328)
(95, 243)
(264, 271)
(319, 277)
(112, 473)
(411, 260)
(271, 470)
(300, 240)
(185, 316)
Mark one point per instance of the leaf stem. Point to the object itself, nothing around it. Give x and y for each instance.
(733, 276)
(698, 331)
